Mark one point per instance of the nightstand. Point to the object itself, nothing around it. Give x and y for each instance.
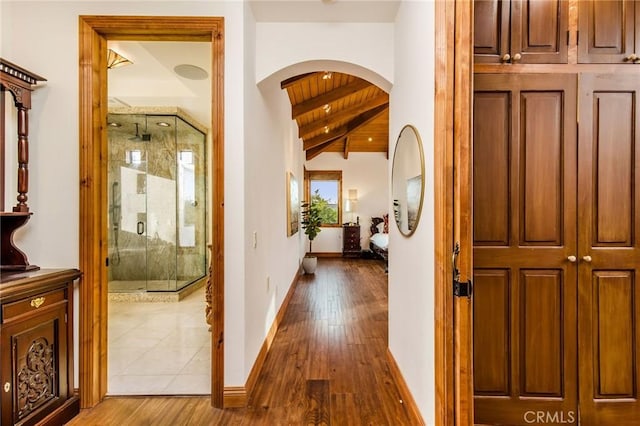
(351, 240)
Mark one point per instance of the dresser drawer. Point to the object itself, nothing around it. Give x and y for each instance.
(11, 310)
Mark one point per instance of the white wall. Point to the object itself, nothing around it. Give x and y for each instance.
(270, 152)
(411, 260)
(366, 172)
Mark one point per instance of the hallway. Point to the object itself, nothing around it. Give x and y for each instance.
(327, 364)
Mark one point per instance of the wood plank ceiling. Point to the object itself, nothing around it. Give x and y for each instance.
(338, 112)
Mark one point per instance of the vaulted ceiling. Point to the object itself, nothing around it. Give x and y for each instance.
(338, 112)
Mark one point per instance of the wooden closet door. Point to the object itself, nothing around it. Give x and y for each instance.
(539, 31)
(491, 30)
(609, 223)
(524, 214)
(609, 31)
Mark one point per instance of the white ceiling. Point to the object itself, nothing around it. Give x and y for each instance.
(151, 81)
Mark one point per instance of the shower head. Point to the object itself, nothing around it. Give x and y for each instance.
(145, 137)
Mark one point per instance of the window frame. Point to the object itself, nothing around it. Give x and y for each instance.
(328, 175)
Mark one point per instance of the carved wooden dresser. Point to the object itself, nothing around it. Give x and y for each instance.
(36, 347)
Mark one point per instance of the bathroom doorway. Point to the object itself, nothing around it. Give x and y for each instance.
(95, 33)
(158, 339)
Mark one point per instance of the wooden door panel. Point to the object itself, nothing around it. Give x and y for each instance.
(541, 333)
(523, 128)
(491, 344)
(491, 30)
(607, 30)
(491, 169)
(613, 171)
(541, 168)
(539, 31)
(614, 340)
(608, 300)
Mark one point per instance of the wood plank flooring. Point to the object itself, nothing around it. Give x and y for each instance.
(327, 364)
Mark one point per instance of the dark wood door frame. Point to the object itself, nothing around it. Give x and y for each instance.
(94, 32)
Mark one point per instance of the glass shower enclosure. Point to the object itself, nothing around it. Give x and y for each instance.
(157, 206)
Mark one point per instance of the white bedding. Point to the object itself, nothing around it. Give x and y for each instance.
(381, 240)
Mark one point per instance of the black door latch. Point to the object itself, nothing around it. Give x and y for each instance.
(460, 288)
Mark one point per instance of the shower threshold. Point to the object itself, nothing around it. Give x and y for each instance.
(157, 291)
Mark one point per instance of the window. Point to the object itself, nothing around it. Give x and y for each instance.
(325, 187)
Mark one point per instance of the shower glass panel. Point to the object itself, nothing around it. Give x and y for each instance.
(157, 217)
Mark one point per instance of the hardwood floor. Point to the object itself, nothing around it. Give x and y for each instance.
(327, 364)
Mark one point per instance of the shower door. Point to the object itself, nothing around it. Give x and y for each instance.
(127, 195)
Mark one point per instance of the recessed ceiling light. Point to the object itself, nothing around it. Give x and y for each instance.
(163, 124)
(114, 124)
(190, 72)
(326, 129)
(326, 108)
(327, 75)
(370, 139)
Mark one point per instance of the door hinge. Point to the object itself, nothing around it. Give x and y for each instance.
(460, 288)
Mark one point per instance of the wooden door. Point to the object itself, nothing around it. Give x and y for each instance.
(608, 31)
(491, 32)
(539, 31)
(520, 31)
(524, 233)
(608, 229)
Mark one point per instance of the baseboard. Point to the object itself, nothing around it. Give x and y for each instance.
(405, 394)
(327, 254)
(236, 397)
(62, 414)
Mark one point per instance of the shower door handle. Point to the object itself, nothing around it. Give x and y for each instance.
(140, 228)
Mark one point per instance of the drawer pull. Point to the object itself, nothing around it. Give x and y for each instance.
(37, 302)
(7, 387)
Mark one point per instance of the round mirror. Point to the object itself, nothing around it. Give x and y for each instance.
(407, 180)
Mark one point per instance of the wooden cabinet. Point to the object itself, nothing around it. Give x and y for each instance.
(521, 31)
(36, 345)
(351, 240)
(609, 31)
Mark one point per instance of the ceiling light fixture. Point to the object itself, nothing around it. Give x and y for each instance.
(327, 75)
(326, 108)
(326, 129)
(370, 139)
(115, 60)
(114, 124)
(163, 124)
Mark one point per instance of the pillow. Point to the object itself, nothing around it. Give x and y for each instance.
(386, 223)
(381, 240)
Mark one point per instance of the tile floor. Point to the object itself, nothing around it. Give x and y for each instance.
(159, 348)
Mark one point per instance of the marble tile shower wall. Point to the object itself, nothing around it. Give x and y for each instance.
(157, 199)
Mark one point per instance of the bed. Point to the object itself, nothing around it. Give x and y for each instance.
(379, 241)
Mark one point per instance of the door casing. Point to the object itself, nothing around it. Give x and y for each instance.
(94, 32)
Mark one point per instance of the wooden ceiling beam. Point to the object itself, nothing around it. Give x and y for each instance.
(345, 114)
(324, 138)
(298, 78)
(314, 152)
(347, 141)
(322, 142)
(328, 97)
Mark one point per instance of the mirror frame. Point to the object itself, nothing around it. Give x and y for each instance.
(409, 127)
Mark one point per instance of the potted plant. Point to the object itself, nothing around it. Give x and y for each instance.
(311, 221)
